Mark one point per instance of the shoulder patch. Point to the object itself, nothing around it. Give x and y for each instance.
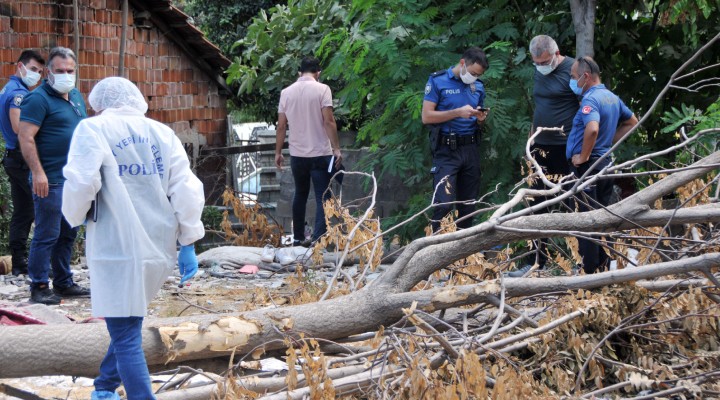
(18, 99)
(428, 88)
(586, 109)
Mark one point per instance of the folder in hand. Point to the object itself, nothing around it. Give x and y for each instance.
(92, 214)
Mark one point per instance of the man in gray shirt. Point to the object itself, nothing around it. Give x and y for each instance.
(555, 106)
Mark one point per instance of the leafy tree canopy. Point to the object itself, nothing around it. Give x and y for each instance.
(225, 22)
(378, 54)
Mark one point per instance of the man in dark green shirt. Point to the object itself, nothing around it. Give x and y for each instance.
(48, 118)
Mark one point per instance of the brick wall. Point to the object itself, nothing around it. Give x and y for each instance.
(178, 93)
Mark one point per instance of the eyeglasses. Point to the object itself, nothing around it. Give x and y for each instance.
(593, 68)
(544, 63)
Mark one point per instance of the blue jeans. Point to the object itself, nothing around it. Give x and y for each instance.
(125, 361)
(52, 242)
(305, 170)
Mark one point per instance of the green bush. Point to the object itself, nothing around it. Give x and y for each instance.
(5, 207)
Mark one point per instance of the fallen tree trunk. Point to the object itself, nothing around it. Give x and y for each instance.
(204, 336)
(78, 349)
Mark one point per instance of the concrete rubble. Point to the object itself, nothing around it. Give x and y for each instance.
(217, 287)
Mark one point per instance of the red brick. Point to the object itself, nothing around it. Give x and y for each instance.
(114, 17)
(44, 25)
(18, 25)
(130, 47)
(6, 56)
(200, 101)
(186, 114)
(173, 62)
(98, 4)
(131, 61)
(85, 14)
(159, 89)
(174, 50)
(218, 113)
(4, 23)
(153, 75)
(145, 88)
(9, 69)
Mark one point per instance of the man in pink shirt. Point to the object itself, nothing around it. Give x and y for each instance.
(306, 106)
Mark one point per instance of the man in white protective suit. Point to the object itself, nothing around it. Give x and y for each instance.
(129, 179)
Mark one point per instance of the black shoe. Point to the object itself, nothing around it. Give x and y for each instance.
(19, 270)
(304, 243)
(19, 265)
(44, 295)
(73, 290)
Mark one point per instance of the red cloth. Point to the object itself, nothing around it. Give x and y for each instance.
(10, 318)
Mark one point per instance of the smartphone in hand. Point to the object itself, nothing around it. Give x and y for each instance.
(483, 109)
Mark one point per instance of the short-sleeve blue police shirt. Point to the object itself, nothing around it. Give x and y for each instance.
(449, 92)
(11, 96)
(601, 105)
(57, 119)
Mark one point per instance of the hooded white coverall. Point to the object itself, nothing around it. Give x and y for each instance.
(148, 200)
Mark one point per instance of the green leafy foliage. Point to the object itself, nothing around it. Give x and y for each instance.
(5, 206)
(378, 54)
(691, 121)
(224, 22)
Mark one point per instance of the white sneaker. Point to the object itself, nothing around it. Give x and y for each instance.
(268, 254)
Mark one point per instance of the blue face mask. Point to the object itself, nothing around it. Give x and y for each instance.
(575, 88)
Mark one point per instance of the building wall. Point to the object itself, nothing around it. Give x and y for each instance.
(392, 192)
(178, 93)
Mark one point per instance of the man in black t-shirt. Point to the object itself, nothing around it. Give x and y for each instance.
(555, 107)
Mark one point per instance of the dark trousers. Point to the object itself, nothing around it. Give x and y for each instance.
(52, 242)
(552, 159)
(22, 201)
(593, 197)
(306, 170)
(462, 167)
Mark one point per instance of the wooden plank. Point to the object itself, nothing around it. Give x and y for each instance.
(250, 148)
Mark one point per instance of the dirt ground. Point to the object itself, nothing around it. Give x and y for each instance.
(206, 293)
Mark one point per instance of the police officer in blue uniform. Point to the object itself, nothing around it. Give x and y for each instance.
(29, 71)
(602, 120)
(453, 107)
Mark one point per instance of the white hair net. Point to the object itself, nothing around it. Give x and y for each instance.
(116, 92)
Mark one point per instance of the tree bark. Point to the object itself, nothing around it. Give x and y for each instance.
(583, 15)
(177, 339)
(33, 350)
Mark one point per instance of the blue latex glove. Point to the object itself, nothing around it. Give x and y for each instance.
(187, 262)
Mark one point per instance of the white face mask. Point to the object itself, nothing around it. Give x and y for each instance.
(62, 83)
(467, 77)
(31, 78)
(546, 69)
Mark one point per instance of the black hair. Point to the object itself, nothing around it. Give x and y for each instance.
(587, 64)
(309, 64)
(28, 55)
(475, 55)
